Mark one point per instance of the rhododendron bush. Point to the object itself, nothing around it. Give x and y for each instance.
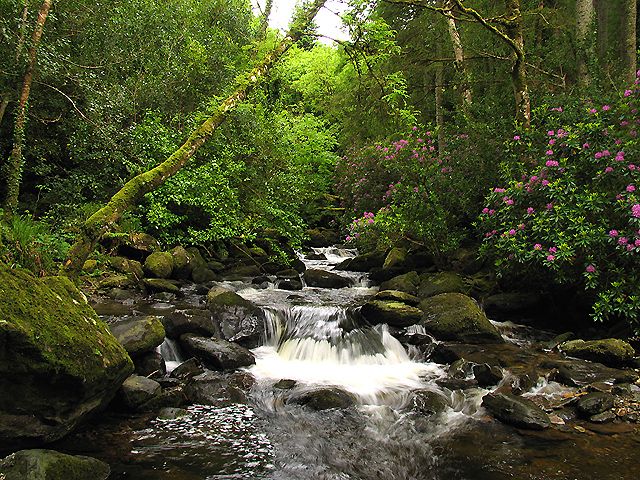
(573, 209)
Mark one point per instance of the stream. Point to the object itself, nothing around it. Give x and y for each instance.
(315, 338)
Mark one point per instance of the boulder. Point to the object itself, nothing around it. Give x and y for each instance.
(454, 316)
(395, 258)
(237, 319)
(323, 279)
(407, 282)
(216, 267)
(213, 388)
(397, 296)
(324, 398)
(51, 465)
(290, 284)
(516, 411)
(139, 335)
(594, 403)
(610, 351)
(150, 364)
(188, 369)
(126, 266)
(487, 375)
(158, 285)
(432, 284)
(285, 384)
(216, 353)
(182, 265)
(396, 314)
(288, 274)
(322, 237)
(136, 391)
(240, 272)
(159, 264)
(138, 246)
(428, 402)
(59, 362)
(195, 258)
(116, 281)
(171, 413)
(192, 320)
(203, 275)
(90, 266)
(364, 262)
(507, 305)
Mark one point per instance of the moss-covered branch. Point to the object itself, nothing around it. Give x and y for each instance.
(104, 219)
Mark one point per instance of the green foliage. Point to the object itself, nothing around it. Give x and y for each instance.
(573, 217)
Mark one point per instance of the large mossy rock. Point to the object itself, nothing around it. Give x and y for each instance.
(397, 296)
(454, 316)
(396, 314)
(364, 262)
(323, 279)
(182, 266)
(216, 353)
(139, 335)
(51, 465)
(159, 264)
(136, 391)
(138, 246)
(442, 282)
(395, 258)
(58, 361)
(322, 237)
(517, 411)
(126, 266)
(609, 351)
(238, 320)
(407, 282)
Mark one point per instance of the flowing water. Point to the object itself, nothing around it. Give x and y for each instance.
(316, 339)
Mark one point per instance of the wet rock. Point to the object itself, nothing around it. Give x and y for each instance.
(136, 391)
(213, 388)
(203, 275)
(315, 256)
(431, 284)
(456, 383)
(216, 267)
(576, 373)
(454, 316)
(182, 266)
(322, 237)
(159, 265)
(137, 246)
(507, 305)
(238, 319)
(126, 266)
(172, 413)
(395, 314)
(150, 364)
(160, 285)
(460, 369)
(604, 417)
(288, 274)
(196, 259)
(407, 283)
(594, 403)
(90, 266)
(262, 279)
(285, 384)
(188, 369)
(397, 296)
(428, 402)
(558, 339)
(192, 320)
(59, 362)
(241, 272)
(120, 294)
(487, 375)
(51, 465)
(610, 351)
(324, 279)
(444, 354)
(116, 281)
(172, 397)
(324, 398)
(516, 411)
(395, 258)
(525, 381)
(217, 353)
(138, 336)
(364, 262)
(291, 285)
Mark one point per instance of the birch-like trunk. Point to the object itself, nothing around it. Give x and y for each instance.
(629, 55)
(458, 51)
(585, 19)
(104, 219)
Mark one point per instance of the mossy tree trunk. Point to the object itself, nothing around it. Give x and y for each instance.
(629, 53)
(585, 21)
(264, 20)
(458, 51)
(104, 219)
(12, 170)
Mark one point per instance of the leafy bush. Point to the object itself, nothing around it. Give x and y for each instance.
(573, 216)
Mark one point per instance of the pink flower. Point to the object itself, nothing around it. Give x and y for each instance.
(635, 210)
(552, 163)
(606, 108)
(522, 226)
(550, 258)
(549, 152)
(631, 188)
(608, 170)
(530, 210)
(545, 183)
(492, 211)
(630, 247)
(593, 110)
(552, 141)
(414, 128)
(485, 210)
(632, 167)
(551, 133)
(627, 93)
(553, 250)
(537, 246)
(534, 178)
(549, 206)
(512, 232)
(516, 137)
(585, 145)
(613, 233)
(637, 242)
(590, 268)
(598, 155)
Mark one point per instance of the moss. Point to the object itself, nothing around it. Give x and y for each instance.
(50, 316)
(394, 313)
(51, 465)
(139, 336)
(126, 266)
(395, 258)
(116, 281)
(221, 297)
(159, 264)
(407, 283)
(90, 266)
(441, 282)
(609, 351)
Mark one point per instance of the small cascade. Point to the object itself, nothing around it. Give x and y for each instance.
(170, 354)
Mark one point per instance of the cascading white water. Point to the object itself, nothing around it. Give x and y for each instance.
(325, 346)
(170, 353)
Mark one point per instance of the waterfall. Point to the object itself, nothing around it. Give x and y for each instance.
(170, 353)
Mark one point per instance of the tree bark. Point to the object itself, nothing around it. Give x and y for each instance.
(104, 219)
(602, 9)
(514, 31)
(13, 167)
(456, 42)
(264, 21)
(585, 18)
(629, 56)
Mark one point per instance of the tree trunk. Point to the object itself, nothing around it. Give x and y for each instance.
(264, 21)
(3, 106)
(518, 72)
(602, 9)
(585, 17)
(629, 57)
(104, 219)
(13, 167)
(456, 42)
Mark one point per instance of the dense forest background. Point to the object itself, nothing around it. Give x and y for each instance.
(510, 125)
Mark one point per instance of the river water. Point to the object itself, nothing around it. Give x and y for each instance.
(316, 338)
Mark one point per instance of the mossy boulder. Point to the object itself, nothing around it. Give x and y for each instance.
(156, 285)
(396, 314)
(324, 398)
(136, 391)
(126, 266)
(364, 262)
(454, 316)
(609, 351)
(517, 411)
(159, 264)
(203, 275)
(138, 246)
(58, 360)
(237, 319)
(442, 282)
(323, 279)
(90, 266)
(395, 258)
(397, 296)
(216, 353)
(196, 258)
(116, 281)
(139, 336)
(51, 465)
(322, 237)
(182, 266)
(407, 282)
